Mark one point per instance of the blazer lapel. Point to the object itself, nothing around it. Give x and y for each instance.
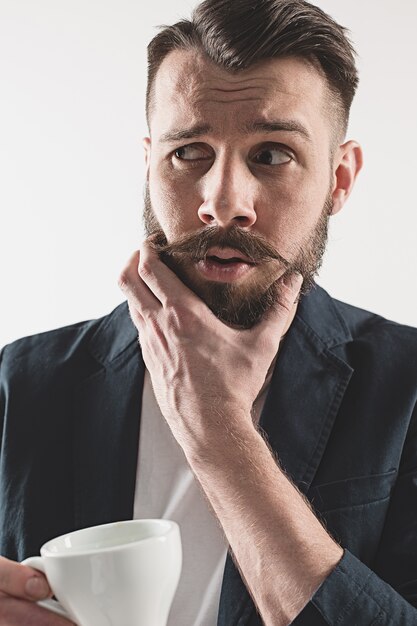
(306, 390)
(106, 424)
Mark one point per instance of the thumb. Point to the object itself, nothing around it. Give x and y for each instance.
(275, 322)
(290, 286)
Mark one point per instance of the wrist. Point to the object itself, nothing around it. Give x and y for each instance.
(228, 440)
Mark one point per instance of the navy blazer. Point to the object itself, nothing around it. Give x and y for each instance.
(340, 415)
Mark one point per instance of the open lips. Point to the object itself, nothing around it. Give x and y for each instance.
(225, 265)
(227, 256)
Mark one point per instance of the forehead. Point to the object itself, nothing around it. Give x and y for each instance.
(191, 90)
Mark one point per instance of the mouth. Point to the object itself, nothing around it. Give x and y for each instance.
(225, 264)
(228, 255)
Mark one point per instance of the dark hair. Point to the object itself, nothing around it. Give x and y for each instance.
(235, 34)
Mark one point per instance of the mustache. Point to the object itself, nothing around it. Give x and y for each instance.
(197, 244)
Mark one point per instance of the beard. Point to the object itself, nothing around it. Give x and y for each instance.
(239, 305)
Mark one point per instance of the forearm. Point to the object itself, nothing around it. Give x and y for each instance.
(281, 549)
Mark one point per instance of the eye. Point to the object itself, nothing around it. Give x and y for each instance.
(192, 152)
(272, 155)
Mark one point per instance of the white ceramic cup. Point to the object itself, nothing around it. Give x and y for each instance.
(120, 574)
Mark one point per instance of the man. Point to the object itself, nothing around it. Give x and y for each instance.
(276, 426)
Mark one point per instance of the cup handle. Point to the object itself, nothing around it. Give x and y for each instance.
(52, 605)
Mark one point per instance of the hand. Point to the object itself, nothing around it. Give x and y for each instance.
(201, 369)
(20, 588)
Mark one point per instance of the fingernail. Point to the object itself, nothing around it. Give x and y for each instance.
(293, 281)
(37, 587)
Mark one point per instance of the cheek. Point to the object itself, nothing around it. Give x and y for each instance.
(174, 204)
(289, 215)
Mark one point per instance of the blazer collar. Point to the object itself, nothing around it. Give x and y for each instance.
(115, 334)
(320, 313)
(317, 310)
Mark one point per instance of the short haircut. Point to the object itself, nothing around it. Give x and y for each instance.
(236, 34)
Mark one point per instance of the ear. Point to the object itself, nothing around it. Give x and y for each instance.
(146, 142)
(348, 162)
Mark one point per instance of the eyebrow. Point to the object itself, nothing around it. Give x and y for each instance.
(188, 133)
(264, 126)
(257, 126)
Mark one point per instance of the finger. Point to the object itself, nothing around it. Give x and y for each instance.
(276, 320)
(22, 581)
(162, 281)
(290, 290)
(14, 612)
(135, 289)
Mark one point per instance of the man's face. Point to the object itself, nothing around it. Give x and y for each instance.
(239, 178)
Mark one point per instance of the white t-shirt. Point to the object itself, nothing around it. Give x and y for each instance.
(166, 488)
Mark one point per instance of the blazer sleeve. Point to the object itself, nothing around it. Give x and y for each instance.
(386, 593)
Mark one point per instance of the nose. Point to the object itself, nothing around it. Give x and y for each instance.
(228, 195)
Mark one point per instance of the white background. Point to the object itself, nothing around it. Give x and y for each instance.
(72, 82)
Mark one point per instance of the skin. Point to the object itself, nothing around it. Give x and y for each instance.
(20, 588)
(225, 181)
(222, 180)
(208, 408)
